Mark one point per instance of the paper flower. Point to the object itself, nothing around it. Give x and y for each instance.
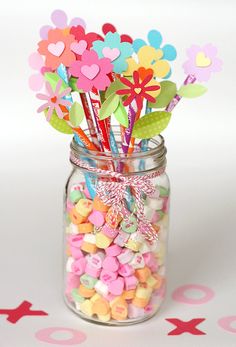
(36, 62)
(84, 41)
(59, 19)
(108, 27)
(115, 50)
(91, 71)
(149, 58)
(54, 100)
(146, 88)
(57, 49)
(155, 40)
(202, 62)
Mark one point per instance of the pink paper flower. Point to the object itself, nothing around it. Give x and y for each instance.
(60, 20)
(202, 62)
(54, 100)
(91, 71)
(36, 62)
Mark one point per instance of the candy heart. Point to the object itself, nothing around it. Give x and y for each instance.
(79, 47)
(202, 60)
(108, 276)
(56, 48)
(116, 287)
(111, 53)
(90, 71)
(110, 264)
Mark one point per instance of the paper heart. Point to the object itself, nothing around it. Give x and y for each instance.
(56, 48)
(202, 60)
(90, 71)
(137, 90)
(79, 47)
(111, 53)
(144, 72)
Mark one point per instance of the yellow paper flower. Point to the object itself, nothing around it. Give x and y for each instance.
(149, 58)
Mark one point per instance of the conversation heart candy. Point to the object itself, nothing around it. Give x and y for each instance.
(84, 207)
(116, 287)
(107, 276)
(110, 232)
(110, 264)
(129, 225)
(137, 261)
(96, 218)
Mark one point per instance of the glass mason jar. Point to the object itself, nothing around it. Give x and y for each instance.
(116, 234)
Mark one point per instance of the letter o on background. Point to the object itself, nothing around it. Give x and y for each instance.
(45, 335)
(225, 323)
(179, 294)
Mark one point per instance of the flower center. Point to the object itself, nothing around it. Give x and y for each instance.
(54, 99)
(137, 90)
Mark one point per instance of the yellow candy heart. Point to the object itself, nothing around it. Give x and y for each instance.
(202, 60)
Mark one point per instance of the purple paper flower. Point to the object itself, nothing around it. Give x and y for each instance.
(202, 62)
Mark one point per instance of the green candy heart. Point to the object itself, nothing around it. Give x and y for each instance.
(129, 226)
(76, 297)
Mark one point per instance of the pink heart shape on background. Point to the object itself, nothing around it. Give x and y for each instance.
(56, 48)
(79, 47)
(111, 53)
(90, 71)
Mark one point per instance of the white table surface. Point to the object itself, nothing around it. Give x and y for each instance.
(201, 163)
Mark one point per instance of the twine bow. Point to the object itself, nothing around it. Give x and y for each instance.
(114, 194)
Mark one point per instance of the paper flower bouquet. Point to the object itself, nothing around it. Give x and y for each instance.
(117, 198)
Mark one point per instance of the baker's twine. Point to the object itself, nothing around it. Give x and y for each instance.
(113, 193)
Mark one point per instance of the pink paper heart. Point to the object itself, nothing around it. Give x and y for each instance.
(111, 53)
(90, 71)
(56, 48)
(79, 47)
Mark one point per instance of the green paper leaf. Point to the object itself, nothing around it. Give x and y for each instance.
(59, 124)
(109, 106)
(76, 114)
(151, 124)
(113, 87)
(53, 79)
(192, 90)
(168, 91)
(72, 83)
(121, 115)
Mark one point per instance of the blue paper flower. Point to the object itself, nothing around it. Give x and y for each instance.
(115, 50)
(155, 40)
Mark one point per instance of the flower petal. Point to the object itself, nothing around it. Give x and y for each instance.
(43, 107)
(155, 38)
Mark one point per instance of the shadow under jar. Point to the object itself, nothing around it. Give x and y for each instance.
(115, 252)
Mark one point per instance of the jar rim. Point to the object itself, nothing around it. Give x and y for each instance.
(158, 150)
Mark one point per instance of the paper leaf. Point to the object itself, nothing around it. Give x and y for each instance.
(73, 85)
(113, 87)
(192, 90)
(53, 79)
(76, 114)
(109, 106)
(121, 115)
(168, 91)
(151, 124)
(59, 124)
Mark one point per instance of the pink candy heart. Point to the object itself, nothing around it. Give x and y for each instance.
(96, 218)
(56, 48)
(110, 264)
(111, 53)
(107, 276)
(79, 47)
(90, 71)
(116, 287)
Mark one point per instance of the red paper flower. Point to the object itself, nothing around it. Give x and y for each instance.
(146, 88)
(84, 41)
(57, 49)
(108, 27)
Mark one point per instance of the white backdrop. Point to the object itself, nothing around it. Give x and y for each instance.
(201, 163)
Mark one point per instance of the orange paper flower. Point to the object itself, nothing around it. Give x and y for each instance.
(57, 49)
